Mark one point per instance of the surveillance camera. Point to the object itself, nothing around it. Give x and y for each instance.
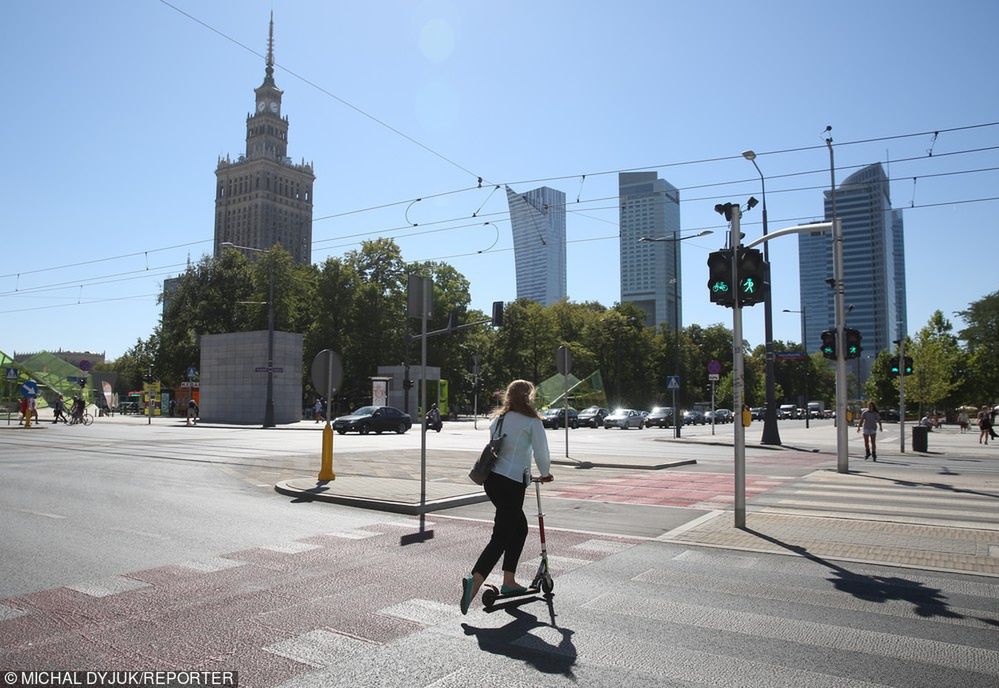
(751, 203)
(724, 209)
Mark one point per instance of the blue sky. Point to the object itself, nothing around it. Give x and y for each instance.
(118, 110)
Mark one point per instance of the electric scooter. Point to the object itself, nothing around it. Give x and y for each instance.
(542, 585)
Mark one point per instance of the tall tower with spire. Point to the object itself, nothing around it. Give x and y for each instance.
(262, 198)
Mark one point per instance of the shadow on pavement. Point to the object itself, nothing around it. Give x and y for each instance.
(927, 602)
(532, 649)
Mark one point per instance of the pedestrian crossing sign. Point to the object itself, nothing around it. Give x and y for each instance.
(11, 373)
(673, 382)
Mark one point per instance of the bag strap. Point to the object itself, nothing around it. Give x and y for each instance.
(499, 427)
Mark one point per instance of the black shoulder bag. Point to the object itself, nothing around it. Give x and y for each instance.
(487, 459)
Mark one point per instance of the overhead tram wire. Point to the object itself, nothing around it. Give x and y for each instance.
(929, 156)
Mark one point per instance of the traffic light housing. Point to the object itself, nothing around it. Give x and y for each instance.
(853, 347)
(897, 367)
(829, 344)
(82, 382)
(720, 278)
(754, 277)
(497, 314)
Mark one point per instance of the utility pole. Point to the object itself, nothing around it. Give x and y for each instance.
(901, 393)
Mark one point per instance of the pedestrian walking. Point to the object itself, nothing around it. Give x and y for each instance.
(192, 411)
(173, 407)
(524, 437)
(59, 410)
(870, 422)
(984, 425)
(317, 410)
(963, 421)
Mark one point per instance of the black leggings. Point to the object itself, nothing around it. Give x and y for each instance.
(509, 526)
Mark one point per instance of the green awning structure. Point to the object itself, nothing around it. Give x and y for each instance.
(53, 375)
(588, 391)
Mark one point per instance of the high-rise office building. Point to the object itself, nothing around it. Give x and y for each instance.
(263, 198)
(537, 218)
(650, 271)
(873, 268)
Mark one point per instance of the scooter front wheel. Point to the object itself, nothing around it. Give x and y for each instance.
(547, 584)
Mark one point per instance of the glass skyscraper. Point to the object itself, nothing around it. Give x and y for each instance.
(537, 219)
(873, 268)
(650, 271)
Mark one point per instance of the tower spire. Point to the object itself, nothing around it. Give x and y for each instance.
(269, 78)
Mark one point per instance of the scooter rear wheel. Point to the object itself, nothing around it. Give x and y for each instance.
(489, 596)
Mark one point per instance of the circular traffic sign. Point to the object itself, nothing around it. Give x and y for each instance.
(714, 367)
(327, 371)
(29, 388)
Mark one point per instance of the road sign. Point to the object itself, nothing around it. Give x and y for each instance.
(563, 360)
(673, 382)
(714, 367)
(29, 388)
(325, 363)
(791, 355)
(713, 377)
(192, 373)
(11, 373)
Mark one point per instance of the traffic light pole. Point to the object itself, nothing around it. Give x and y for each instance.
(901, 392)
(842, 456)
(738, 377)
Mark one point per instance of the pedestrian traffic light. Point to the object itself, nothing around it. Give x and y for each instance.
(908, 366)
(720, 278)
(407, 383)
(893, 367)
(754, 277)
(829, 344)
(853, 347)
(82, 382)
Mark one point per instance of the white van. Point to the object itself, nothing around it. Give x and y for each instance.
(787, 411)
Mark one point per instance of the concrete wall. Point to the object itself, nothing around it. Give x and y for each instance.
(397, 393)
(232, 391)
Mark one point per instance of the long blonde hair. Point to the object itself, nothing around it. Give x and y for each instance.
(519, 397)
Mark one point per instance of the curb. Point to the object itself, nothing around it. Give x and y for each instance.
(320, 493)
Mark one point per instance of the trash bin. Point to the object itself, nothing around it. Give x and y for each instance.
(920, 437)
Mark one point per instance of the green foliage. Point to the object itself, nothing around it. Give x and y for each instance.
(936, 357)
(981, 338)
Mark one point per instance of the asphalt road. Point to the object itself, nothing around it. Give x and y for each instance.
(146, 547)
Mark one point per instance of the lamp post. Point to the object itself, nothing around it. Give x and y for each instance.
(771, 435)
(808, 412)
(675, 240)
(269, 403)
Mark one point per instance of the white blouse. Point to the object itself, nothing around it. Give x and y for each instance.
(524, 436)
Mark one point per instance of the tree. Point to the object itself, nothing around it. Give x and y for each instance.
(935, 358)
(981, 339)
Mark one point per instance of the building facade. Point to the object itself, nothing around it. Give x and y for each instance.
(873, 268)
(262, 198)
(537, 219)
(650, 271)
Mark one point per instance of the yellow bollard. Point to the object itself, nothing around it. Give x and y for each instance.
(27, 416)
(326, 472)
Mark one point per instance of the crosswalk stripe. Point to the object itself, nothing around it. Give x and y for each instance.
(896, 497)
(875, 507)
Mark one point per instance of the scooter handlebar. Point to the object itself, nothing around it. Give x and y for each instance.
(543, 479)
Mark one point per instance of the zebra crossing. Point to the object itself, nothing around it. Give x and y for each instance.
(888, 495)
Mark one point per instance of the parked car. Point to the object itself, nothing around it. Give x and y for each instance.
(693, 418)
(787, 411)
(374, 418)
(723, 415)
(757, 412)
(660, 416)
(891, 415)
(624, 419)
(555, 418)
(593, 416)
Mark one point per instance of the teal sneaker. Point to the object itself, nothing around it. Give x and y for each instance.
(512, 590)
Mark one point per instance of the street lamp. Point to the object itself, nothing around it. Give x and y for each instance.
(269, 403)
(808, 412)
(771, 435)
(676, 307)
